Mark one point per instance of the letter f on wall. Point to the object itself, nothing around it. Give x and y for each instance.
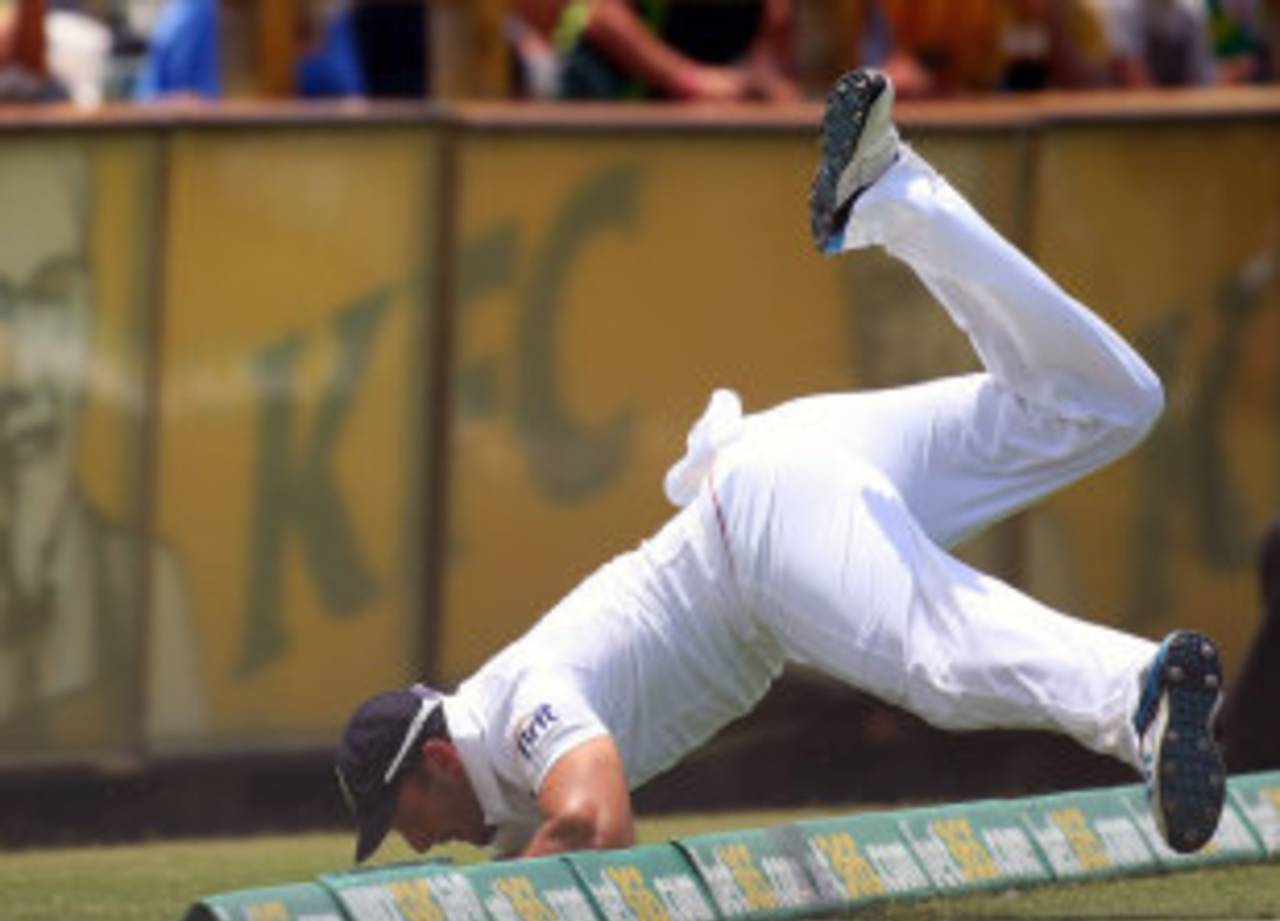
(295, 491)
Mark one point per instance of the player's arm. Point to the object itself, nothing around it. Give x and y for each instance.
(585, 802)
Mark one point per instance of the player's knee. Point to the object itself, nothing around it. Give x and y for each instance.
(1144, 407)
(1115, 422)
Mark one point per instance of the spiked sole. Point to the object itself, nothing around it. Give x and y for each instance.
(848, 105)
(1188, 778)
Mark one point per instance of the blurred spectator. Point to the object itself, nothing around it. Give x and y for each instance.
(183, 57)
(734, 49)
(187, 57)
(1239, 33)
(953, 43)
(1051, 44)
(330, 62)
(833, 36)
(1158, 42)
(24, 68)
(714, 50)
(1270, 30)
(393, 38)
(949, 47)
(78, 51)
(538, 63)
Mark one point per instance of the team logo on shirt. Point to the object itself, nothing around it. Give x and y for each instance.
(533, 727)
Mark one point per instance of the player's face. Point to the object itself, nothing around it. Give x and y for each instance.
(436, 803)
(44, 307)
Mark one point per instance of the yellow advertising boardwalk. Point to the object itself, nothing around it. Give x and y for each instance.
(802, 869)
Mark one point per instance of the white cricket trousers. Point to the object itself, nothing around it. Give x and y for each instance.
(835, 509)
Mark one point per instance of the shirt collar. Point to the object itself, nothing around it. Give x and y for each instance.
(467, 733)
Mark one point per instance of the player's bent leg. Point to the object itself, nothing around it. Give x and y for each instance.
(835, 569)
(1032, 336)
(962, 452)
(1067, 394)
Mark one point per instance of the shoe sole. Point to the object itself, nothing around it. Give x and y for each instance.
(1188, 779)
(848, 106)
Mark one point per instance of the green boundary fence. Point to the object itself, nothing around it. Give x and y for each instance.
(801, 869)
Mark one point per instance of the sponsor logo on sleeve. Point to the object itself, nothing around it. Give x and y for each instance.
(533, 728)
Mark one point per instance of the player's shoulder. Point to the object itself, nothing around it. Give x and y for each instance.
(551, 717)
(532, 715)
(512, 687)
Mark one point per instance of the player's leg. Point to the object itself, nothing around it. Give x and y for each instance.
(1035, 339)
(1063, 393)
(836, 570)
(835, 565)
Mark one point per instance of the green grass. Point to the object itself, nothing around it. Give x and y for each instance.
(1228, 892)
(158, 881)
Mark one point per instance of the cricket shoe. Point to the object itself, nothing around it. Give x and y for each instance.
(1181, 765)
(859, 142)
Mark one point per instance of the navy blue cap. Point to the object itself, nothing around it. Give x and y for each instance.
(375, 749)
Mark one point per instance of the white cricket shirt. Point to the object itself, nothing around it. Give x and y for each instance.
(652, 648)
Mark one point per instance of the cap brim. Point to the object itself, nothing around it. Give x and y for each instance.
(375, 822)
